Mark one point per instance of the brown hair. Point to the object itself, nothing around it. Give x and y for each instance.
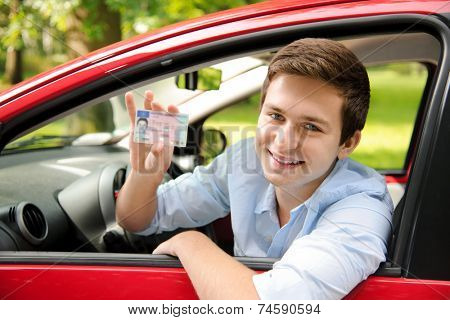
(333, 63)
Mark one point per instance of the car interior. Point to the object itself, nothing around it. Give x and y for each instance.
(59, 180)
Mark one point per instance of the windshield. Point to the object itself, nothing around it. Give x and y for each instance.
(99, 124)
(107, 122)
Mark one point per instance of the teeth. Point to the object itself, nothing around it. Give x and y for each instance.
(287, 162)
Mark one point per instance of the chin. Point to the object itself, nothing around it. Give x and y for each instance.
(274, 179)
(293, 179)
(284, 177)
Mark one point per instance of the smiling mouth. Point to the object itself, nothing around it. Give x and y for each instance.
(285, 163)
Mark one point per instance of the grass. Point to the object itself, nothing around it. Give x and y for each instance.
(394, 103)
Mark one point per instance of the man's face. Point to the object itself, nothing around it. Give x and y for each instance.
(299, 130)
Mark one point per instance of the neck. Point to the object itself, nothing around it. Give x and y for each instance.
(288, 200)
(288, 197)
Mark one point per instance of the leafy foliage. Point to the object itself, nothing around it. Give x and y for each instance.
(42, 25)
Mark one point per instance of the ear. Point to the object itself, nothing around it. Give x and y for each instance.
(348, 146)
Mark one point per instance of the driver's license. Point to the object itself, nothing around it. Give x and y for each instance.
(153, 126)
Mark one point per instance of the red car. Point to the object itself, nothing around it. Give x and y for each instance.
(59, 177)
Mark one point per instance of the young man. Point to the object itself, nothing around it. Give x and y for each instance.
(292, 191)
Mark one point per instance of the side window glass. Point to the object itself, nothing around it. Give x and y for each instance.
(396, 92)
(237, 121)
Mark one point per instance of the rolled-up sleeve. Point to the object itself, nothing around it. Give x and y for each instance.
(347, 246)
(193, 199)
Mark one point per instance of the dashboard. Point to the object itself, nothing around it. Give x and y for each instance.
(60, 199)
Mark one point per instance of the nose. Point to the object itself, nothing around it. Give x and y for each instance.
(287, 138)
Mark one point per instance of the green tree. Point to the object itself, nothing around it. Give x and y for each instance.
(76, 27)
(22, 25)
(91, 25)
(12, 40)
(142, 16)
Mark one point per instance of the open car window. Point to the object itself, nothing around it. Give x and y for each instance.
(98, 134)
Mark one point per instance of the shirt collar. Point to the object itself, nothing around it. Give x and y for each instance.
(266, 202)
(323, 195)
(347, 178)
(344, 180)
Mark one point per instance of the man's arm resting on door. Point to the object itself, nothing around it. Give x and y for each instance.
(214, 274)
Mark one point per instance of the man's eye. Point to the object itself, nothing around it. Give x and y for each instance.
(311, 127)
(276, 116)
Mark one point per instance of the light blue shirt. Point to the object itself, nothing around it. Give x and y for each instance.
(333, 240)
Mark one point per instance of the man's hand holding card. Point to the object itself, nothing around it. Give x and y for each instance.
(154, 132)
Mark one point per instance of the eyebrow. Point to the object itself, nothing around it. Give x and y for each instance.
(307, 118)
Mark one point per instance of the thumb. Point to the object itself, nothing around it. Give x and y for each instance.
(164, 248)
(159, 249)
(153, 161)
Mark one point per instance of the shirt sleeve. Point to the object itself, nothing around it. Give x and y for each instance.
(348, 245)
(192, 199)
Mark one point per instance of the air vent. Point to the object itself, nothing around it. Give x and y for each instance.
(31, 222)
(119, 181)
(12, 214)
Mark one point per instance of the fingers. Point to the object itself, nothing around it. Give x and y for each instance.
(149, 104)
(148, 99)
(157, 106)
(172, 109)
(154, 159)
(142, 153)
(147, 158)
(157, 148)
(163, 248)
(131, 106)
